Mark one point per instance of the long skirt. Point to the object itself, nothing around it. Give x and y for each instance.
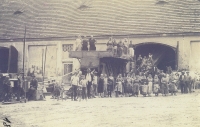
(156, 88)
(172, 87)
(100, 88)
(164, 88)
(126, 88)
(131, 52)
(119, 87)
(150, 87)
(135, 88)
(105, 89)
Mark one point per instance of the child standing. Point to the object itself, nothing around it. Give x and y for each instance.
(83, 84)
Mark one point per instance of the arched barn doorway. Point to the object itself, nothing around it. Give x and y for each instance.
(163, 55)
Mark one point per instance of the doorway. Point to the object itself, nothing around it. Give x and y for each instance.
(163, 55)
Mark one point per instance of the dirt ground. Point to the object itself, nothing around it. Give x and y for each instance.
(171, 111)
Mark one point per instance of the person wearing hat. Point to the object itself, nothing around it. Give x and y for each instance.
(182, 81)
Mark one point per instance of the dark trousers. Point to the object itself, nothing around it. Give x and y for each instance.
(109, 90)
(189, 86)
(74, 92)
(186, 87)
(89, 89)
(84, 96)
(182, 85)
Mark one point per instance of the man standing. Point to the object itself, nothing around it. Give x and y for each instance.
(33, 88)
(182, 82)
(92, 43)
(89, 80)
(188, 84)
(74, 84)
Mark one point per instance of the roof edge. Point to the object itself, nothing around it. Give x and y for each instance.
(103, 37)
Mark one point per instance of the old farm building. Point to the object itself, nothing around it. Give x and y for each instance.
(169, 29)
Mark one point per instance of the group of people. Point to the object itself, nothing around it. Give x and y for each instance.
(145, 64)
(121, 48)
(91, 85)
(85, 44)
(10, 91)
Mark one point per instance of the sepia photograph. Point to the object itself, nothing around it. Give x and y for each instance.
(99, 63)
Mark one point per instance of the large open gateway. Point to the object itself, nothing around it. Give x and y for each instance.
(163, 55)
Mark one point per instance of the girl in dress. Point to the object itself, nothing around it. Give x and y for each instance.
(105, 85)
(136, 85)
(119, 82)
(110, 84)
(128, 85)
(100, 85)
(172, 85)
(164, 85)
(150, 84)
(156, 86)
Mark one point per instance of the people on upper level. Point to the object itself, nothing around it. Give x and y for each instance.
(92, 43)
(85, 44)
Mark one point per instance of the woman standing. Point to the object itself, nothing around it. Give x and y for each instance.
(78, 43)
(119, 82)
(172, 85)
(164, 85)
(105, 86)
(136, 85)
(100, 85)
(156, 86)
(92, 43)
(85, 44)
(110, 84)
(127, 89)
(150, 84)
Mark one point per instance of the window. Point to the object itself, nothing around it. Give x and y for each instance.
(65, 50)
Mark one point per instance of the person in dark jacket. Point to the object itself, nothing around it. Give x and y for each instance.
(33, 88)
(92, 43)
(85, 44)
(7, 89)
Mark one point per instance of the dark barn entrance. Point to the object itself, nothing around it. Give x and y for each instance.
(163, 55)
(8, 59)
(4, 55)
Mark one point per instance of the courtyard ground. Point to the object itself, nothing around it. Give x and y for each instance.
(172, 111)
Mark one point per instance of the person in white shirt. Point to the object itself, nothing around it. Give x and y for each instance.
(78, 44)
(74, 84)
(94, 82)
(89, 84)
